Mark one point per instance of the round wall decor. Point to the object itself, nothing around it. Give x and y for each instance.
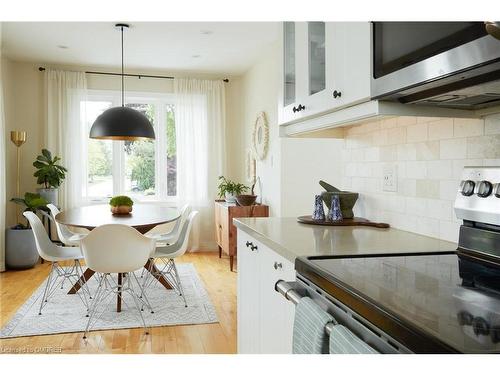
(260, 136)
(250, 165)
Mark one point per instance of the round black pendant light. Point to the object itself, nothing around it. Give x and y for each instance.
(122, 123)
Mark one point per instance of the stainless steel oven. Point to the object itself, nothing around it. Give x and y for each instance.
(450, 64)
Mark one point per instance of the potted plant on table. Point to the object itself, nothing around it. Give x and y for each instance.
(20, 247)
(229, 189)
(121, 205)
(49, 174)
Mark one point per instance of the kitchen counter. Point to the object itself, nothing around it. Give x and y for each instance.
(291, 239)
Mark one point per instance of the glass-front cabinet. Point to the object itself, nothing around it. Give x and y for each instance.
(325, 67)
(316, 57)
(288, 63)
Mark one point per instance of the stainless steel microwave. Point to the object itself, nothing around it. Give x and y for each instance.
(448, 64)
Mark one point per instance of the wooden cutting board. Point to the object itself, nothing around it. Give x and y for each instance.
(345, 222)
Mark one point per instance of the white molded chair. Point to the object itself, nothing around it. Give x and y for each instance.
(171, 237)
(168, 253)
(65, 235)
(53, 253)
(116, 248)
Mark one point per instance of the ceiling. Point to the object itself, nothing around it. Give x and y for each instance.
(204, 47)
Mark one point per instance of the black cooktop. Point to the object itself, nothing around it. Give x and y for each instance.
(429, 303)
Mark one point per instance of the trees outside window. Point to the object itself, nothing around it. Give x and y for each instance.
(145, 169)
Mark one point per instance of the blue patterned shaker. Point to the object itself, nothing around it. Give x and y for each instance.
(319, 213)
(335, 213)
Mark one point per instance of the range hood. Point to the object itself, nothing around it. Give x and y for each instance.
(443, 64)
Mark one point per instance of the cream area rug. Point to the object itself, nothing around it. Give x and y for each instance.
(66, 313)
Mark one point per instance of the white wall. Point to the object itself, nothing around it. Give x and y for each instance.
(430, 154)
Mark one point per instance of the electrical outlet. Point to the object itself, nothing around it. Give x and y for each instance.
(390, 182)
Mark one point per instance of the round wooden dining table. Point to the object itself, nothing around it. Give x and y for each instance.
(143, 217)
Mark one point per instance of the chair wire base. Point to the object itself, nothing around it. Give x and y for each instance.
(169, 271)
(58, 275)
(109, 287)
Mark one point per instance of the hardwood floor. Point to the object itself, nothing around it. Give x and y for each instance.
(17, 286)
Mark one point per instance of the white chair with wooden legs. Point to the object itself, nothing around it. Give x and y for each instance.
(167, 255)
(66, 236)
(53, 253)
(171, 237)
(116, 249)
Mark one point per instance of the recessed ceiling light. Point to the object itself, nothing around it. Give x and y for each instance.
(62, 47)
(196, 56)
(206, 32)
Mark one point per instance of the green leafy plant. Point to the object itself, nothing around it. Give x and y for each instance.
(31, 202)
(49, 173)
(121, 200)
(230, 187)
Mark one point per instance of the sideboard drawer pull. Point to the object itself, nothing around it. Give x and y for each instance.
(278, 266)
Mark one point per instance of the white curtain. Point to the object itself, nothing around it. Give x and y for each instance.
(3, 154)
(200, 125)
(65, 90)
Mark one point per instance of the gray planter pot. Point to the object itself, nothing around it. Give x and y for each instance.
(50, 195)
(20, 249)
(230, 198)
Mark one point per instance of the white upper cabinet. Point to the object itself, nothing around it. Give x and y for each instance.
(325, 66)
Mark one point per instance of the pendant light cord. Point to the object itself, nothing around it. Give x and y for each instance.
(123, 93)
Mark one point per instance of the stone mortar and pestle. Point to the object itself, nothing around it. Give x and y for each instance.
(347, 199)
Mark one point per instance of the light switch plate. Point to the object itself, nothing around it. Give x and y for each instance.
(390, 178)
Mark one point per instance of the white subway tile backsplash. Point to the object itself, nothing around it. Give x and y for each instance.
(485, 147)
(465, 127)
(389, 123)
(389, 153)
(441, 129)
(429, 154)
(453, 148)
(407, 151)
(427, 189)
(448, 189)
(492, 124)
(439, 169)
(406, 120)
(416, 133)
(427, 150)
(396, 136)
(416, 169)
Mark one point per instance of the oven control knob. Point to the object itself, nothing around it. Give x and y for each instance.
(484, 189)
(497, 190)
(468, 187)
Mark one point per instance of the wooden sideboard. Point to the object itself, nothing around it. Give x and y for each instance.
(225, 231)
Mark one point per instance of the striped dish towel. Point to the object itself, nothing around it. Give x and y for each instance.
(343, 341)
(309, 335)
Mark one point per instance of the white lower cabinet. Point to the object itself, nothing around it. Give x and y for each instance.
(265, 318)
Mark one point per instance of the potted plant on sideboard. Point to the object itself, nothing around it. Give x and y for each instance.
(50, 174)
(229, 189)
(20, 247)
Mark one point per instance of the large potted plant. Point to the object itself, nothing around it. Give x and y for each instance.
(20, 247)
(229, 189)
(49, 174)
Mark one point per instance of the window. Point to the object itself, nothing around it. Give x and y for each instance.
(144, 170)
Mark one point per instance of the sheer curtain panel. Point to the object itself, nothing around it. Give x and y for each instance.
(200, 124)
(64, 91)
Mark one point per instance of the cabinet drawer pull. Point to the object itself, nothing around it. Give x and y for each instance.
(337, 94)
(248, 244)
(253, 247)
(299, 108)
(278, 266)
